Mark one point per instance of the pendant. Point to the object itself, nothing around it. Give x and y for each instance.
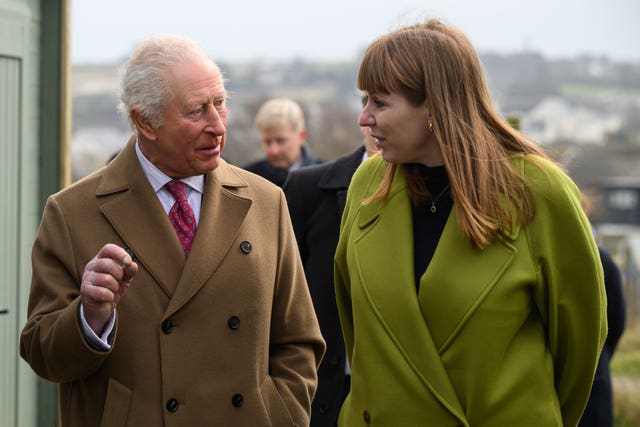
(433, 207)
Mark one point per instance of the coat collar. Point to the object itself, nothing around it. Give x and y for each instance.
(338, 174)
(448, 296)
(130, 204)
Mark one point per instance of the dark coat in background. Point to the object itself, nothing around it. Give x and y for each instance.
(599, 410)
(279, 176)
(316, 197)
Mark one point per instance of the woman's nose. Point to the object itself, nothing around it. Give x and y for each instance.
(365, 119)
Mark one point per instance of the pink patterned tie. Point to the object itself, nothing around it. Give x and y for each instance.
(181, 214)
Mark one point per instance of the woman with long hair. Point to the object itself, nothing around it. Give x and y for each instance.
(468, 282)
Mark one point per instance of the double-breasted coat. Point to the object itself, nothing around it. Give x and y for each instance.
(505, 336)
(316, 196)
(226, 336)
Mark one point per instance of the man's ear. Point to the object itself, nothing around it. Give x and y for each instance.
(303, 136)
(143, 124)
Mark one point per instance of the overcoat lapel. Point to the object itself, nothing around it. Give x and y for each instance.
(449, 292)
(449, 296)
(125, 189)
(222, 214)
(384, 255)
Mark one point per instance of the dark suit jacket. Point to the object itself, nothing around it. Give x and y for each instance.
(316, 197)
(278, 176)
(599, 410)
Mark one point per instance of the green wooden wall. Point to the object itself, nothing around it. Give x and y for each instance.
(30, 102)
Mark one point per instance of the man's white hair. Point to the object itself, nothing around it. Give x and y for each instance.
(146, 78)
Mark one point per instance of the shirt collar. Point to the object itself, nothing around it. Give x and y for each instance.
(158, 179)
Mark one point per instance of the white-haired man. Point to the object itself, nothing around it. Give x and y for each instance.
(167, 287)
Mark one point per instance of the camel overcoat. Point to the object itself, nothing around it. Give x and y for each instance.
(505, 336)
(224, 337)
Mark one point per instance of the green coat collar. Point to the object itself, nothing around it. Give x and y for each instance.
(384, 252)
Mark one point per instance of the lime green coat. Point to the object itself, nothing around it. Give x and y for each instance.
(506, 336)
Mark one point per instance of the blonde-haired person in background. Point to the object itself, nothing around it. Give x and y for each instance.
(468, 283)
(283, 134)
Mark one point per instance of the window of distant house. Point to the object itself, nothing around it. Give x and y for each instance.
(623, 199)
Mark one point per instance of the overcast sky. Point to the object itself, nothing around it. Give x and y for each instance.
(334, 30)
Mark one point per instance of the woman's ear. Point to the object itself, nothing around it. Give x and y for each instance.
(143, 124)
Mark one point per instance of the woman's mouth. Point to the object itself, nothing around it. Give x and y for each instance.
(378, 139)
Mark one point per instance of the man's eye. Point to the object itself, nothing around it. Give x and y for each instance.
(197, 112)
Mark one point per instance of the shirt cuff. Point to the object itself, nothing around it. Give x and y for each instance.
(99, 342)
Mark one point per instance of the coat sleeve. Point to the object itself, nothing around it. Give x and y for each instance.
(52, 341)
(570, 294)
(296, 344)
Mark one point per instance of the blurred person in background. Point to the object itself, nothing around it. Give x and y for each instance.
(167, 286)
(316, 197)
(599, 411)
(468, 284)
(283, 134)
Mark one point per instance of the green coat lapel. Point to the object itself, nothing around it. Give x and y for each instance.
(384, 255)
(457, 280)
(449, 292)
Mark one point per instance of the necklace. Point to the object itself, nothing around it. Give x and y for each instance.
(435, 199)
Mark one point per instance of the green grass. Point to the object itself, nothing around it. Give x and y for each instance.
(575, 89)
(625, 370)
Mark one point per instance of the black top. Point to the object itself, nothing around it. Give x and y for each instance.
(428, 225)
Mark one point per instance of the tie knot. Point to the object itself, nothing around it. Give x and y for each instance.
(177, 190)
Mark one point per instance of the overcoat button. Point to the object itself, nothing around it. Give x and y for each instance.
(130, 252)
(172, 405)
(233, 322)
(324, 408)
(335, 361)
(245, 247)
(366, 416)
(167, 326)
(237, 400)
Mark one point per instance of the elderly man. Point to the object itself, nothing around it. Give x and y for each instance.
(167, 286)
(280, 123)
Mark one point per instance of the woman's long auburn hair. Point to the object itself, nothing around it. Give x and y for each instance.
(435, 64)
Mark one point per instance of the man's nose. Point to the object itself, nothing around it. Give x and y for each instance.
(215, 121)
(272, 148)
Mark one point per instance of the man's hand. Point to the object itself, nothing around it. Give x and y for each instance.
(104, 281)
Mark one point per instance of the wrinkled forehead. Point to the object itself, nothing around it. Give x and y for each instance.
(197, 78)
